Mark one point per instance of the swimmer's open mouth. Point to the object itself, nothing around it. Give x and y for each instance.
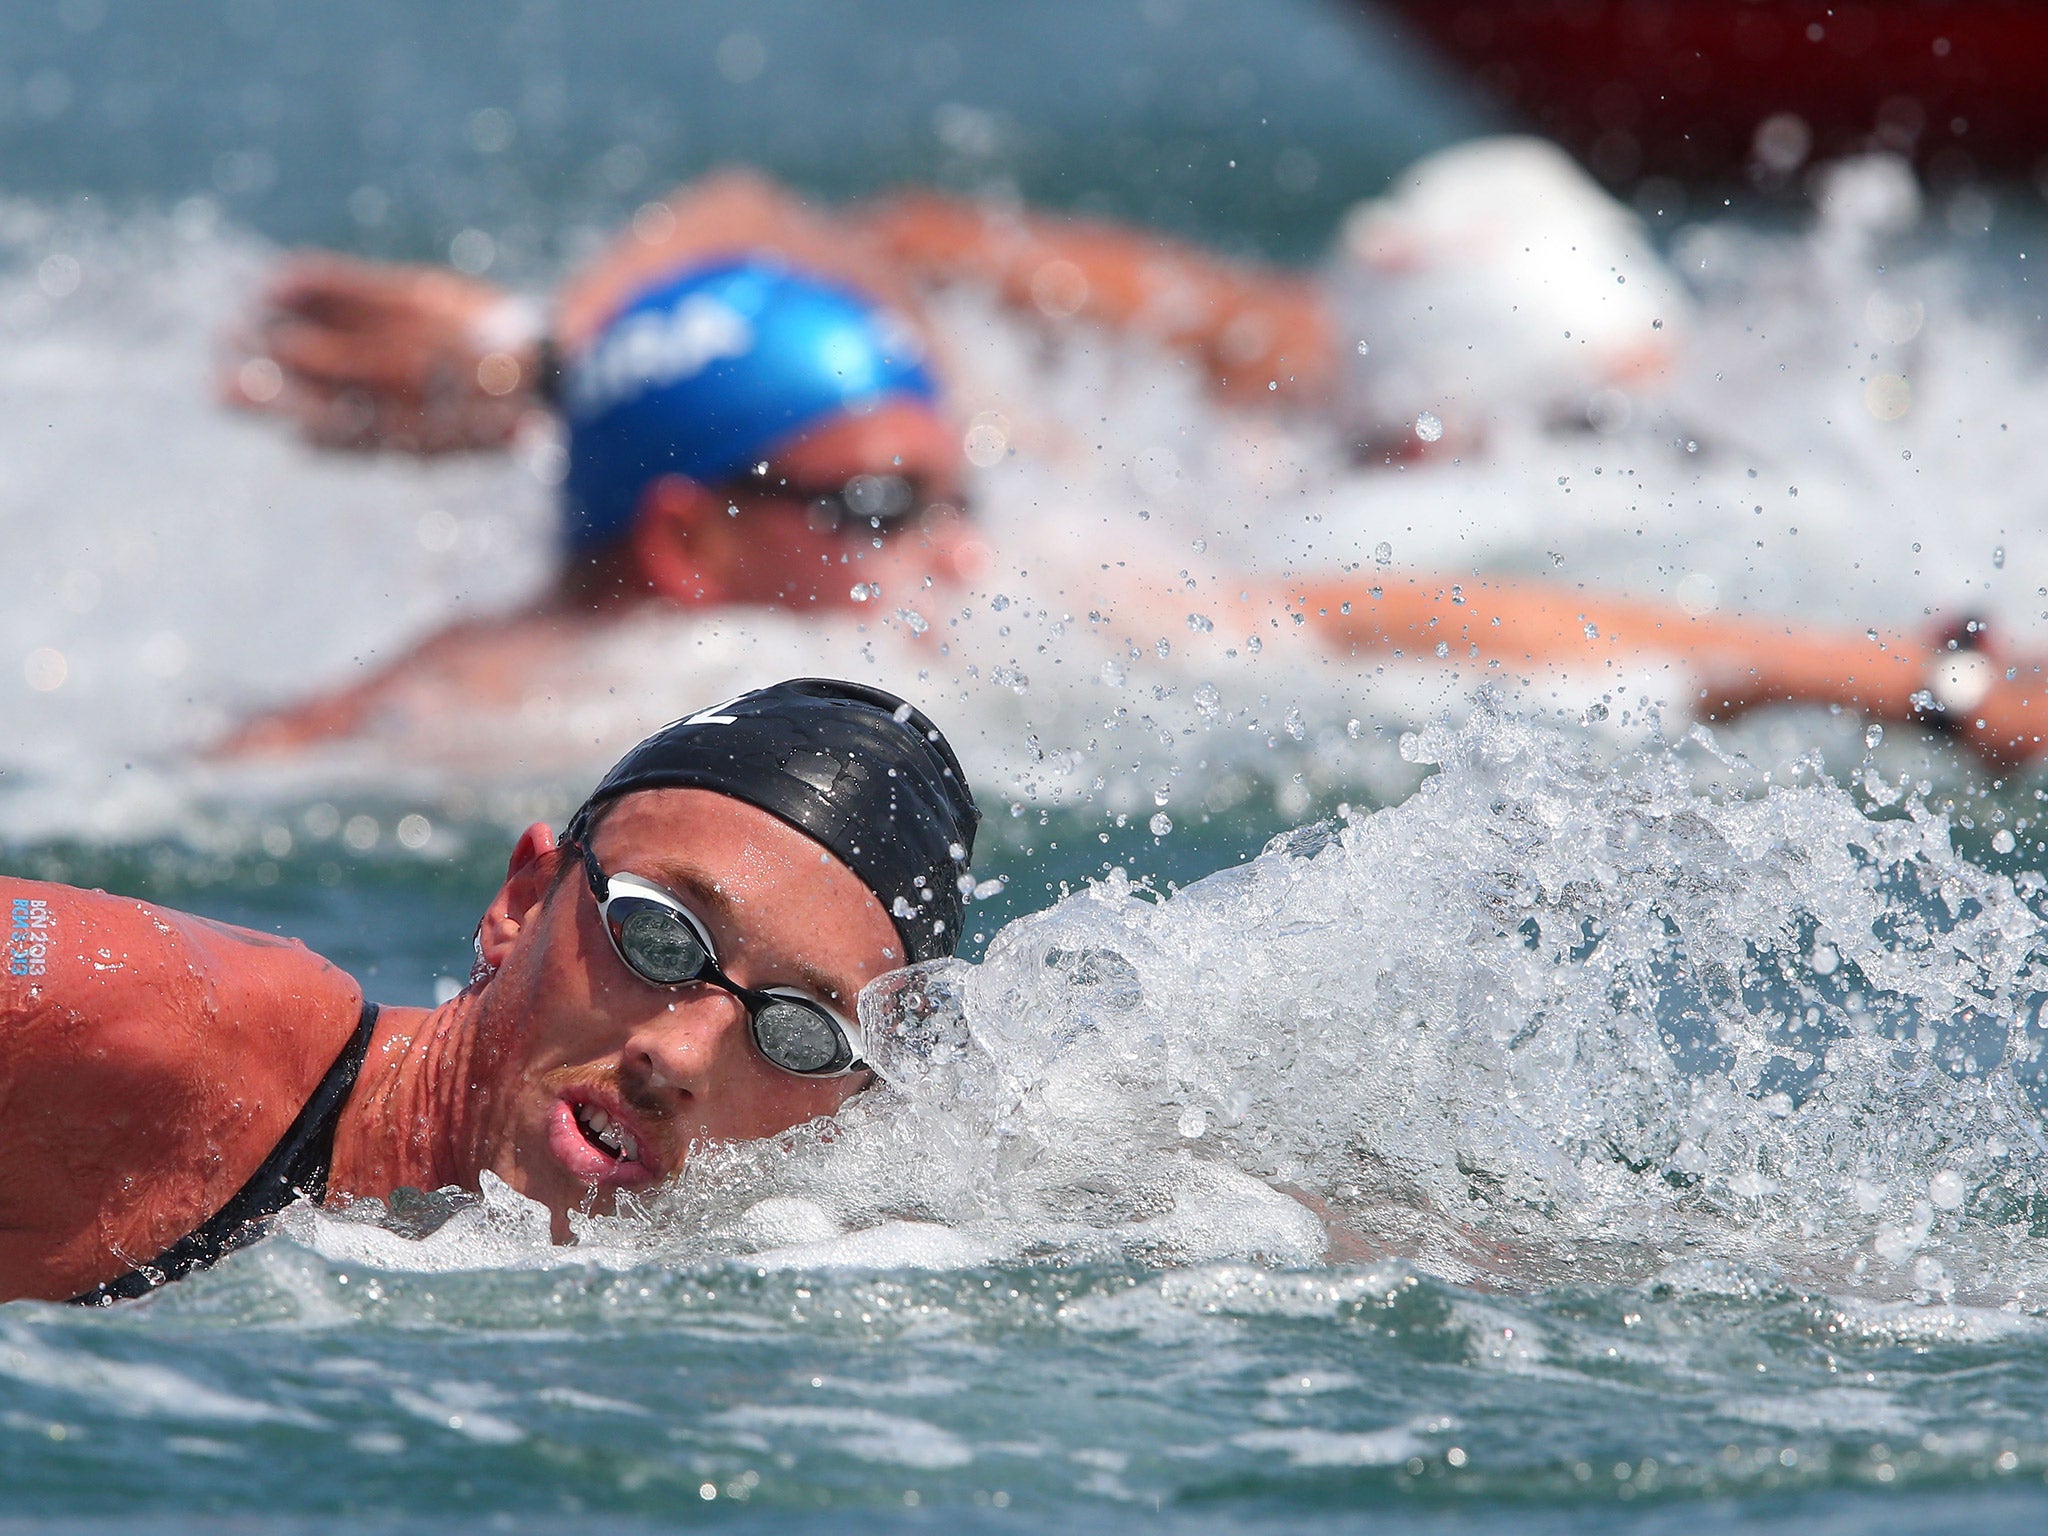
(606, 1134)
(597, 1145)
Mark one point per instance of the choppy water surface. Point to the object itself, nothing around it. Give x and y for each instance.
(1680, 1153)
(1567, 1122)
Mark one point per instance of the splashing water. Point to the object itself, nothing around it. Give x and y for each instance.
(1603, 1119)
(1544, 1019)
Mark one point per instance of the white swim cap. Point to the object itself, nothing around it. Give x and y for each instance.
(1496, 279)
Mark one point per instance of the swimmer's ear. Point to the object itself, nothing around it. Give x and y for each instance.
(528, 876)
(678, 539)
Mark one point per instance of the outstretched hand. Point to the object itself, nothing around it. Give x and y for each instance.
(363, 354)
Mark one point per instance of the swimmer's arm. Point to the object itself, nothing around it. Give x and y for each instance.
(475, 665)
(1738, 663)
(725, 214)
(1249, 326)
(361, 354)
(125, 1077)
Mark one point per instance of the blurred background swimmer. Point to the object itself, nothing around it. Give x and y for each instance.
(1494, 277)
(754, 416)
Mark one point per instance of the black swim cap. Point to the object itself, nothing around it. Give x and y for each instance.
(855, 768)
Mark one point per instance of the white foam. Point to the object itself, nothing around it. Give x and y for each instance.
(501, 1230)
(1328, 1448)
(863, 1433)
(891, 1245)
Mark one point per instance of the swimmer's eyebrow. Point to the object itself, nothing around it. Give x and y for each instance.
(717, 908)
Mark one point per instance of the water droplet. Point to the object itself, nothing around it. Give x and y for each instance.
(1163, 647)
(1364, 348)
(1161, 824)
(1872, 735)
(2002, 840)
(1383, 553)
(1998, 558)
(1946, 1190)
(1193, 1123)
(861, 592)
(1429, 427)
(1162, 794)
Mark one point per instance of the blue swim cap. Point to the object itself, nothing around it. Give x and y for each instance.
(705, 373)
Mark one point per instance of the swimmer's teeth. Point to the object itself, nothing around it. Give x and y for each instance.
(608, 1133)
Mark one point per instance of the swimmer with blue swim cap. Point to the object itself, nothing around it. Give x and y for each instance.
(748, 402)
(739, 397)
(752, 416)
(709, 374)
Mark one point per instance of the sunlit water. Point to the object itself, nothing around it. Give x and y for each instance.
(1579, 1123)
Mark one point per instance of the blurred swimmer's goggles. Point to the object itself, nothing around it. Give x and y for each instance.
(878, 501)
(662, 942)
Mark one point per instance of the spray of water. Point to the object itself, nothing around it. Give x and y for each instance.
(1550, 1018)
(1552, 1015)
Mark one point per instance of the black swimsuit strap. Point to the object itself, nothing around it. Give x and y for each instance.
(297, 1166)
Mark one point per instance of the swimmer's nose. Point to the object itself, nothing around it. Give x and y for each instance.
(681, 1050)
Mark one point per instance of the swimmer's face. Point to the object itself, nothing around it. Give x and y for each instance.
(772, 537)
(585, 1049)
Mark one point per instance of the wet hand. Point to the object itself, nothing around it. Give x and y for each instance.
(361, 354)
(1994, 704)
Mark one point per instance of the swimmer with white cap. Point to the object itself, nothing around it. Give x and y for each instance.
(756, 413)
(1494, 278)
(680, 966)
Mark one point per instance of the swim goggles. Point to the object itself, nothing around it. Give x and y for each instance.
(662, 942)
(873, 501)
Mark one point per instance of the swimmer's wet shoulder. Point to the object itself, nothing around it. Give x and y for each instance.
(149, 1063)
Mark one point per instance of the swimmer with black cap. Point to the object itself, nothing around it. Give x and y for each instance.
(680, 967)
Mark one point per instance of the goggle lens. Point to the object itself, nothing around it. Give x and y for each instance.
(656, 942)
(798, 1037)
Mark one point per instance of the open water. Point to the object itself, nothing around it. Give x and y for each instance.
(1374, 1096)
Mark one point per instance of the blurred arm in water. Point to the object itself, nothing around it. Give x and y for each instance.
(1247, 324)
(368, 354)
(359, 354)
